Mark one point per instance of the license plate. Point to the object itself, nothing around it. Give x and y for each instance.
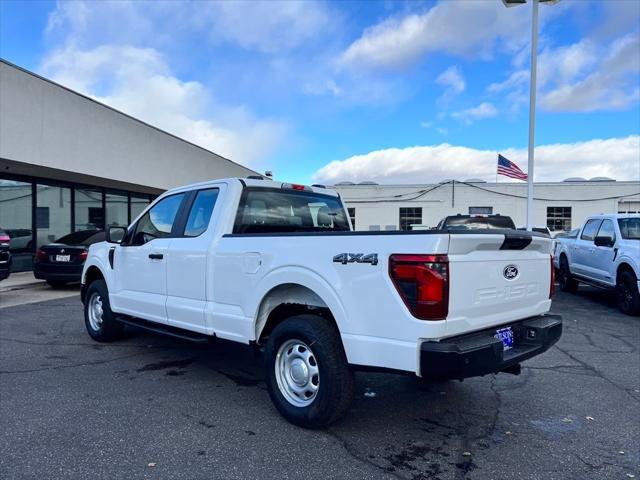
(63, 258)
(505, 335)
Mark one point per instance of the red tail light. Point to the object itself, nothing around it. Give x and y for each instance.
(552, 286)
(423, 284)
(83, 255)
(41, 255)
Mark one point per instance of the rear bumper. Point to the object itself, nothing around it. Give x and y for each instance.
(480, 353)
(66, 273)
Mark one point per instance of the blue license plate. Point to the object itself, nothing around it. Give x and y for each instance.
(505, 335)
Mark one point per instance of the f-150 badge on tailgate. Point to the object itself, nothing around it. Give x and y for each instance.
(345, 258)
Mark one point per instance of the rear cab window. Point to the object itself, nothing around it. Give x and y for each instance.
(269, 210)
(472, 223)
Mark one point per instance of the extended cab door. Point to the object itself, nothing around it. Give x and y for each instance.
(604, 255)
(140, 262)
(583, 249)
(188, 262)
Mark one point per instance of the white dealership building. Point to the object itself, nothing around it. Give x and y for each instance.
(557, 205)
(69, 163)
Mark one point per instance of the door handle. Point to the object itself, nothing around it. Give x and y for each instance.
(156, 256)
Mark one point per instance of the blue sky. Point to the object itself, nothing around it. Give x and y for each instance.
(393, 91)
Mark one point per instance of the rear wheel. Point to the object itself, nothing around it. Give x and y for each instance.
(565, 279)
(627, 293)
(307, 374)
(98, 317)
(56, 283)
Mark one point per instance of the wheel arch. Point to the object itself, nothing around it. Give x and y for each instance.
(624, 267)
(90, 274)
(288, 299)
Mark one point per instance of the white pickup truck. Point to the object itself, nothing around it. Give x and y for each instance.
(278, 266)
(604, 253)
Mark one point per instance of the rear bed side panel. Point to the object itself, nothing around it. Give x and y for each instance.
(376, 327)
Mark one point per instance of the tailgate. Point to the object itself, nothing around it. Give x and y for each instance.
(496, 278)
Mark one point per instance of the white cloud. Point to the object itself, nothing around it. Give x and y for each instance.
(613, 82)
(452, 81)
(585, 76)
(424, 124)
(470, 115)
(139, 82)
(264, 25)
(469, 28)
(618, 158)
(260, 25)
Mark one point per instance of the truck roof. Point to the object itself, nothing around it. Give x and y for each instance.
(614, 216)
(255, 181)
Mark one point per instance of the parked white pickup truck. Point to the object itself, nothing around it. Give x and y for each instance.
(278, 266)
(605, 253)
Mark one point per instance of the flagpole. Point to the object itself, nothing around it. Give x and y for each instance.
(532, 111)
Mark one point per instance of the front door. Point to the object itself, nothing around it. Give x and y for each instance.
(140, 262)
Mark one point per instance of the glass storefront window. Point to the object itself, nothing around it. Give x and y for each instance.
(117, 210)
(138, 204)
(15, 221)
(89, 212)
(53, 213)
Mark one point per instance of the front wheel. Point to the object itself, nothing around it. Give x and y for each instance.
(98, 317)
(307, 374)
(627, 293)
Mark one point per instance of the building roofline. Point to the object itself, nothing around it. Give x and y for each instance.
(510, 184)
(86, 97)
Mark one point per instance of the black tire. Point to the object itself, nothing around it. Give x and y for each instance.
(565, 279)
(335, 383)
(627, 294)
(56, 283)
(109, 329)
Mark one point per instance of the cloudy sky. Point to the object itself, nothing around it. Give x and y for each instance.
(392, 91)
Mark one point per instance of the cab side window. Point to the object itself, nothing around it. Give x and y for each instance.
(590, 229)
(607, 230)
(158, 221)
(200, 213)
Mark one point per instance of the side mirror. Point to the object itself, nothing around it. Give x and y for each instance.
(604, 241)
(116, 234)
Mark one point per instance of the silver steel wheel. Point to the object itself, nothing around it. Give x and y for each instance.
(297, 373)
(94, 310)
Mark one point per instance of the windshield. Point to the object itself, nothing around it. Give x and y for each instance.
(275, 211)
(629, 228)
(472, 223)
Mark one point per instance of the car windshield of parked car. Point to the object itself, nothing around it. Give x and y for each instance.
(473, 223)
(84, 237)
(279, 211)
(629, 228)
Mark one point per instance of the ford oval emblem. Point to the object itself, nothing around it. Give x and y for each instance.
(510, 272)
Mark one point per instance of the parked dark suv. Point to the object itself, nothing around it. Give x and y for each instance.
(61, 262)
(5, 255)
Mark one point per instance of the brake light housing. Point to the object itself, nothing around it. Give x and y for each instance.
(83, 255)
(41, 255)
(423, 284)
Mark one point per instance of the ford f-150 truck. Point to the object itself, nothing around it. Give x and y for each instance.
(605, 253)
(278, 266)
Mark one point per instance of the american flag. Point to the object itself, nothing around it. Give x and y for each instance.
(510, 169)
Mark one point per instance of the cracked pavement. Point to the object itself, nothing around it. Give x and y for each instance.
(155, 407)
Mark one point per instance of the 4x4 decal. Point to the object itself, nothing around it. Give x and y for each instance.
(345, 258)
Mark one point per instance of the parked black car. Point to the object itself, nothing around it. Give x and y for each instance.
(5, 255)
(61, 262)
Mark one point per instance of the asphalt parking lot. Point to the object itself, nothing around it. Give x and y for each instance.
(154, 407)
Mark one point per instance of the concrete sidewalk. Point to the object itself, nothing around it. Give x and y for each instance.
(19, 280)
